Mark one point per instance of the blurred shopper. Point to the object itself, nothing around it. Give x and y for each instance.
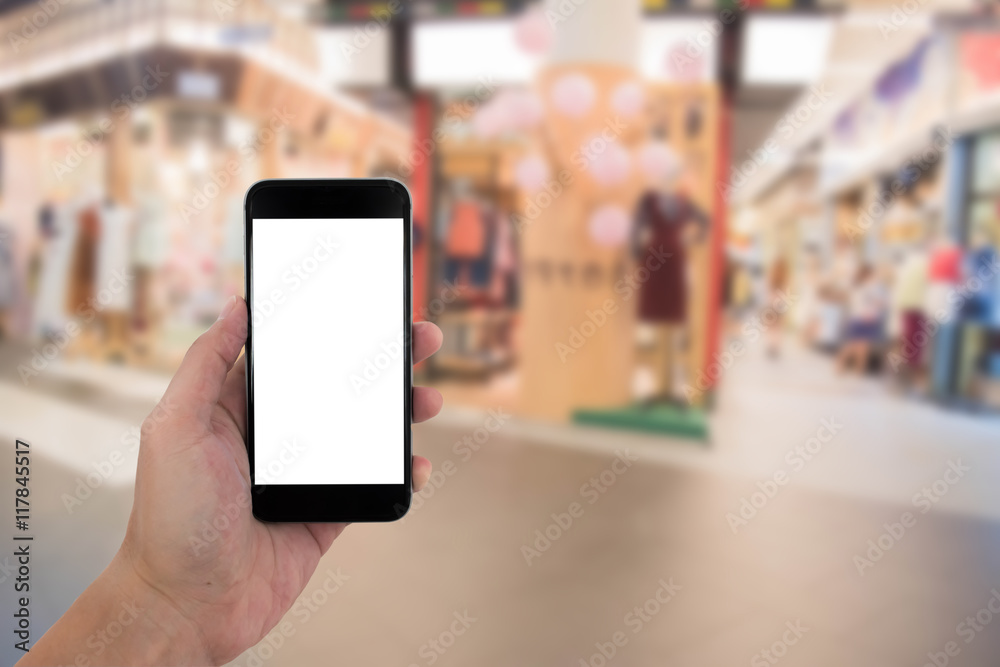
(777, 282)
(866, 308)
(944, 274)
(741, 296)
(829, 322)
(807, 312)
(908, 302)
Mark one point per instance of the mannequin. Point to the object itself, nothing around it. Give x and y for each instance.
(661, 235)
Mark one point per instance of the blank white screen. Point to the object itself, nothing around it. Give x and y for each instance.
(328, 350)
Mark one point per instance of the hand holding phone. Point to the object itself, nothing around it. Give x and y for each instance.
(210, 580)
(207, 579)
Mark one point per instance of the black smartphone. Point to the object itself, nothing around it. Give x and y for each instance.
(328, 271)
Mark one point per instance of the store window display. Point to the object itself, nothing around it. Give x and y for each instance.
(478, 265)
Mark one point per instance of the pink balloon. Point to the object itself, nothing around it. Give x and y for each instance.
(611, 165)
(533, 32)
(658, 161)
(518, 109)
(609, 226)
(488, 122)
(574, 95)
(526, 110)
(628, 99)
(531, 173)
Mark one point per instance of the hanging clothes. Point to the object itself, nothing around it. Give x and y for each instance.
(944, 272)
(113, 258)
(466, 231)
(504, 285)
(980, 270)
(151, 240)
(466, 245)
(8, 288)
(53, 284)
(658, 245)
(83, 262)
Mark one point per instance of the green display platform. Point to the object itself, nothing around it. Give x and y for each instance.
(663, 419)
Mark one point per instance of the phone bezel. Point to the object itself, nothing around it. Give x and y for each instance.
(330, 198)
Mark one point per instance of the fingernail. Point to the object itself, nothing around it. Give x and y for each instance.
(228, 308)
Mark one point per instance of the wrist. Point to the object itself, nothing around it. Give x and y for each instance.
(120, 620)
(150, 628)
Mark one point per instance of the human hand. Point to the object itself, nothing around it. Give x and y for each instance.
(211, 579)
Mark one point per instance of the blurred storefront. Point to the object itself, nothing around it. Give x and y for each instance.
(123, 169)
(905, 189)
(536, 175)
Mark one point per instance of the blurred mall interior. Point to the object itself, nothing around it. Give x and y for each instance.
(748, 249)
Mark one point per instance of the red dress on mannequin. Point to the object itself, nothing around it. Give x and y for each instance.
(658, 245)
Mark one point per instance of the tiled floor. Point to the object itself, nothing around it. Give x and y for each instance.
(664, 519)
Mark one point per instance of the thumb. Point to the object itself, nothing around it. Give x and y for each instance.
(196, 386)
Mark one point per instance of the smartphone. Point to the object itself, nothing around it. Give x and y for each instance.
(328, 272)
